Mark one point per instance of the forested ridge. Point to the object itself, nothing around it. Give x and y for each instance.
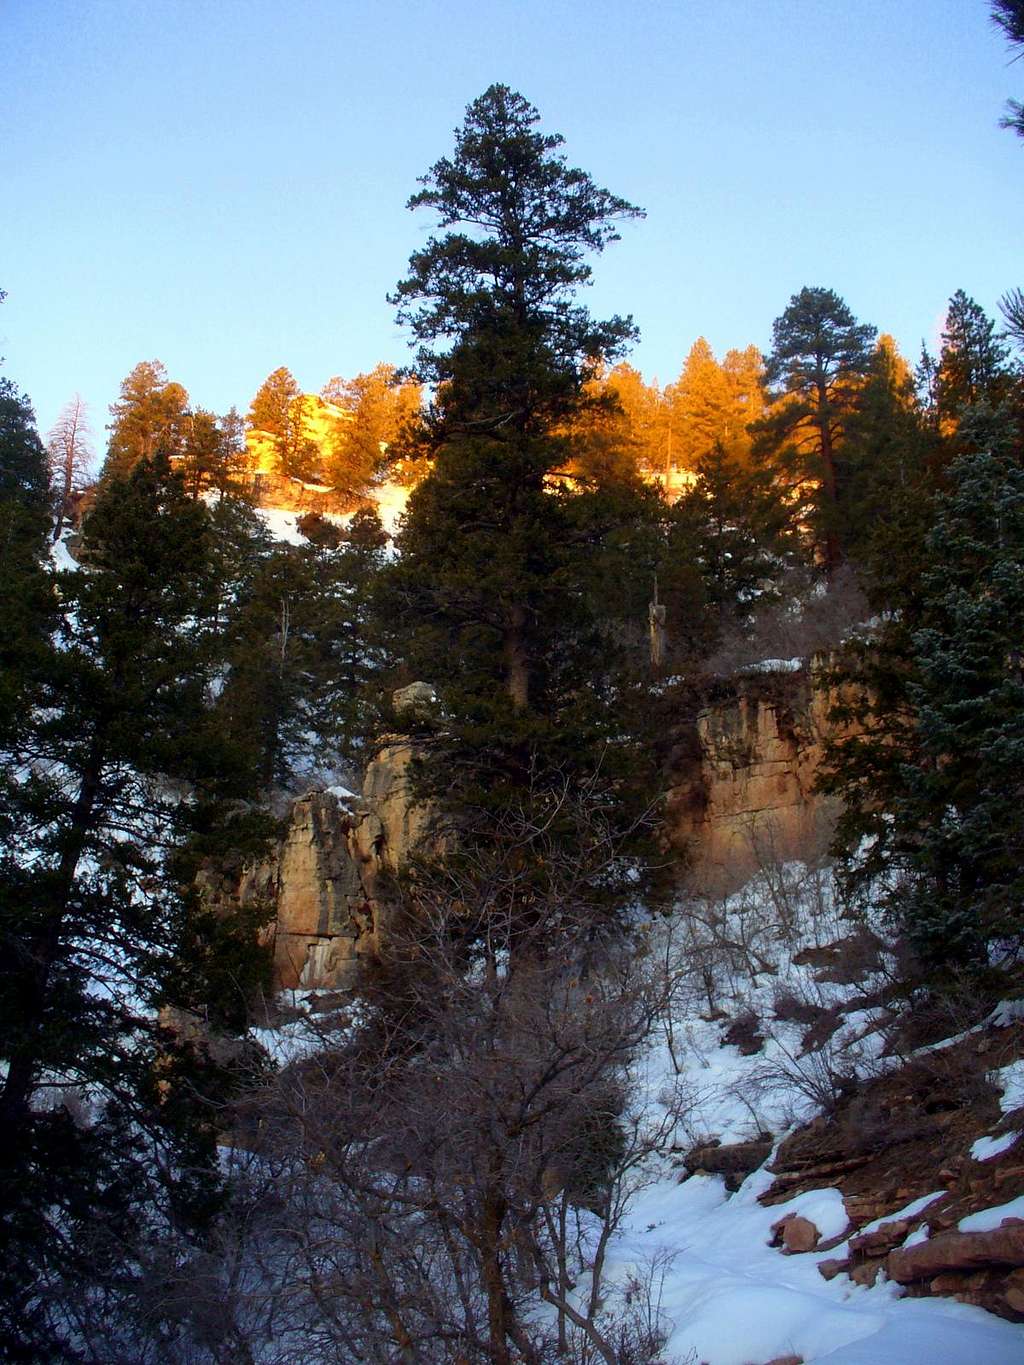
(584, 560)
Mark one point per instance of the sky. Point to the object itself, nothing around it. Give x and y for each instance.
(221, 184)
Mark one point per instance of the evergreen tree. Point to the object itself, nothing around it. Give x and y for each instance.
(380, 406)
(931, 770)
(961, 815)
(300, 655)
(889, 467)
(100, 1157)
(820, 356)
(27, 605)
(489, 592)
(972, 363)
(149, 417)
(279, 411)
(1008, 15)
(731, 541)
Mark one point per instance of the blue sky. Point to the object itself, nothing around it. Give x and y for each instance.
(220, 184)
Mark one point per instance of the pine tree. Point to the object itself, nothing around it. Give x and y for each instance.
(731, 541)
(26, 600)
(962, 813)
(972, 363)
(490, 595)
(820, 356)
(278, 411)
(931, 772)
(150, 417)
(1008, 15)
(380, 405)
(100, 1157)
(700, 406)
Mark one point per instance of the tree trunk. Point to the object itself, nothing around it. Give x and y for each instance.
(498, 1306)
(517, 659)
(829, 486)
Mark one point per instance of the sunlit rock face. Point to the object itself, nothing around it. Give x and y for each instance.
(744, 789)
(324, 889)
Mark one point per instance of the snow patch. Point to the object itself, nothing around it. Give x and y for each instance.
(986, 1148)
(986, 1220)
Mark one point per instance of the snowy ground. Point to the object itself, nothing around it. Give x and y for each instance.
(389, 497)
(731, 1298)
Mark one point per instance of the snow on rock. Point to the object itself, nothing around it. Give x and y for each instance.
(729, 1297)
(1006, 1012)
(1010, 1080)
(986, 1220)
(775, 666)
(61, 556)
(986, 1148)
(282, 525)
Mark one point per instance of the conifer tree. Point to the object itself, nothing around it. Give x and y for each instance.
(972, 363)
(488, 583)
(91, 913)
(149, 417)
(820, 355)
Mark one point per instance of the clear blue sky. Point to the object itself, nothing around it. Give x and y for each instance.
(220, 184)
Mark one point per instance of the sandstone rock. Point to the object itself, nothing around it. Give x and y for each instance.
(1003, 1246)
(735, 1158)
(882, 1239)
(324, 889)
(831, 1268)
(796, 1233)
(866, 1274)
(746, 783)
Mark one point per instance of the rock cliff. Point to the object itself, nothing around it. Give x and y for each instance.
(744, 788)
(323, 887)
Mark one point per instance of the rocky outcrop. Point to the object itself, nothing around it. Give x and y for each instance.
(324, 888)
(746, 790)
(1002, 1246)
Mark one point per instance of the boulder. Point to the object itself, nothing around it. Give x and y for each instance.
(796, 1233)
(418, 700)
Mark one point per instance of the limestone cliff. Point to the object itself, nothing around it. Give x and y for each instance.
(744, 788)
(324, 887)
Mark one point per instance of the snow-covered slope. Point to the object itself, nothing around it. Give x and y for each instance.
(726, 1295)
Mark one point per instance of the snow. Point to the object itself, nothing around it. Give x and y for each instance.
(1010, 1080)
(985, 1220)
(61, 556)
(282, 525)
(735, 1300)
(1006, 1013)
(988, 1147)
(729, 1297)
(775, 666)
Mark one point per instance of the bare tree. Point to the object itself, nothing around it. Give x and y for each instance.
(419, 1188)
(69, 446)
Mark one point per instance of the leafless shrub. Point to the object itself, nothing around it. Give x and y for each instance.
(469, 1149)
(810, 619)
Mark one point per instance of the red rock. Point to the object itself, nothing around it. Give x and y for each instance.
(957, 1251)
(866, 1274)
(830, 1269)
(796, 1233)
(882, 1239)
